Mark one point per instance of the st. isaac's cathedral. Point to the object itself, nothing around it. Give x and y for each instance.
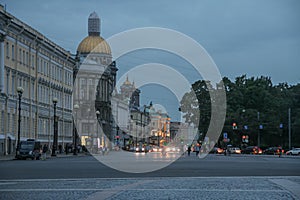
(101, 118)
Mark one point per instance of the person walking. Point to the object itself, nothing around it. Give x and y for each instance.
(189, 150)
(279, 150)
(197, 149)
(45, 149)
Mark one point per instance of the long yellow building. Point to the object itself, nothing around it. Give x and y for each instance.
(45, 71)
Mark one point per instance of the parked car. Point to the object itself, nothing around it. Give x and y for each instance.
(294, 151)
(29, 149)
(273, 151)
(234, 150)
(252, 150)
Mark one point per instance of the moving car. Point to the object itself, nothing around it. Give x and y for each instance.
(172, 149)
(294, 151)
(252, 150)
(140, 149)
(234, 150)
(273, 151)
(29, 149)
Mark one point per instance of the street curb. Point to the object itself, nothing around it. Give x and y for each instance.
(10, 158)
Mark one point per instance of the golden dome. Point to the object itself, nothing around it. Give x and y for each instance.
(127, 82)
(95, 44)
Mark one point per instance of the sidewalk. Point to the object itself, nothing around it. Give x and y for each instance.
(12, 156)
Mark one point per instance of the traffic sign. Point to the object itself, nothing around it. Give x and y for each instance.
(281, 126)
(225, 135)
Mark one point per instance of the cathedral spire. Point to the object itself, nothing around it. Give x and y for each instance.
(94, 24)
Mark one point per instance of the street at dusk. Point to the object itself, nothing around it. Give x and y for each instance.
(149, 100)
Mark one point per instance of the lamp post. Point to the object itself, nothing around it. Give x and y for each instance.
(97, 127)
(142, 125)
(76, 107)
(20, 91)
(259, 127)
(54, 145)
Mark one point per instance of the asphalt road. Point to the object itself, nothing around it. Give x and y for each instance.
(210, 166)
(214, 177)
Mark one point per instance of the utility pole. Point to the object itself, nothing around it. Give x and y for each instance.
(258, 135)
(289, 126)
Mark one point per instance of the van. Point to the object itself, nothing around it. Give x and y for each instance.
(29, 149)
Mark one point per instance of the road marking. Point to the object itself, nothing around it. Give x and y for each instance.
(136, 189)
(149, 177)
(286, 184)
(8, 183)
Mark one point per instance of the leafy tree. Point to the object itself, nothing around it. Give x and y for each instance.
(251, 102)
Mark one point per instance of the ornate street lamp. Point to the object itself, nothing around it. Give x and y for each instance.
(55, 136)
(20, 91)
(97, 115)
(76, 107)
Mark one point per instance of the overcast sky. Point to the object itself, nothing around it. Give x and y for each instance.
(252, 37)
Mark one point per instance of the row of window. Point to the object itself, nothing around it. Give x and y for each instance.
(44, 92)
(55, 72)
(12, 83)
(45, 127)
(12, 124)
(24, 57)
(45, 95)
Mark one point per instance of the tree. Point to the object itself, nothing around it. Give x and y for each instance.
(250, 102)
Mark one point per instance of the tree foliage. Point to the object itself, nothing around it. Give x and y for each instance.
(251, 103)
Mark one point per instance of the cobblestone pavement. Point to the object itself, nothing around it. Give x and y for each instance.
(280, 188)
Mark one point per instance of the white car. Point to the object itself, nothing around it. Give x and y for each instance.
(235, 150)
(294, 151)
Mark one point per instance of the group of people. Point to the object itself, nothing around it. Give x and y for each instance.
(196, 148)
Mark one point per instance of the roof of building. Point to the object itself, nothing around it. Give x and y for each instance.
(95, 44)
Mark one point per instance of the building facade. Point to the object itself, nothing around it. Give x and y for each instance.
(93, 88)
(45, 71)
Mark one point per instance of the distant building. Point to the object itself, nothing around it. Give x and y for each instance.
(93, 87)
(44, 70)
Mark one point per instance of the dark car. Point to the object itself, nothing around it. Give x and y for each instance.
(217, 150)
(29, 149)
(252, 150)
(272, 151)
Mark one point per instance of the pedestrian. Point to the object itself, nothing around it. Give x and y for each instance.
(197, 149)
(279, 151)
(200, 146)
(103, 151)
(189, 150)
(67, 148)
(60, 148)
(45, 149)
